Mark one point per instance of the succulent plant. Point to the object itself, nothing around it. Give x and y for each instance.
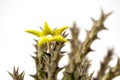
(49, 53)
(16, 76)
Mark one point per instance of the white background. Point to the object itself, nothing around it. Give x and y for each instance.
(19, 15)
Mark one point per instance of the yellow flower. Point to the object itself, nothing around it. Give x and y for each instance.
(48, 35)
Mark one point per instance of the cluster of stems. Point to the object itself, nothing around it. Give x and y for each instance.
(48, 55)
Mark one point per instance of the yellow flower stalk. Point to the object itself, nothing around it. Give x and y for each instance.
(48, 35)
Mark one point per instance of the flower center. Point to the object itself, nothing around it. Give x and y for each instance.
(49, 36)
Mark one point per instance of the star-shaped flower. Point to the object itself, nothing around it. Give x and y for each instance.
(48, 35)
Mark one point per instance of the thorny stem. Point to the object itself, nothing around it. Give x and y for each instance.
(48, 55)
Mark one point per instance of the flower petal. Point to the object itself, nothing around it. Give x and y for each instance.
(59, 38)
(59, 31)
(35, 32)
(44, 40)
(47, 30)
